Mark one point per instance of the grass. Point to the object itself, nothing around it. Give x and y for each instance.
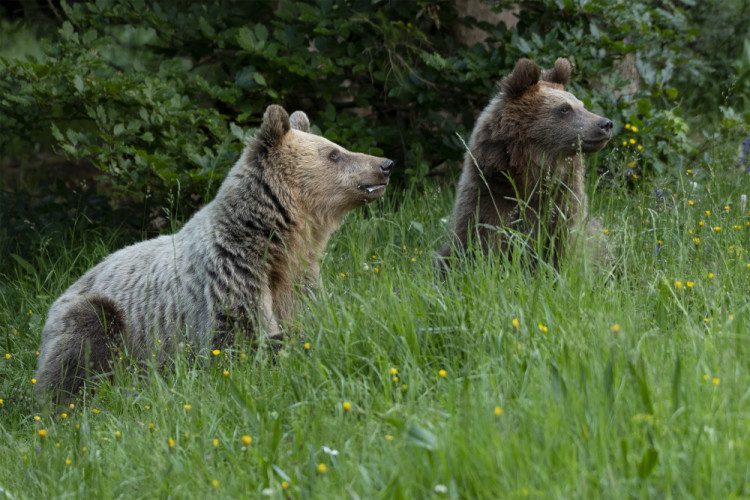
(498, 383)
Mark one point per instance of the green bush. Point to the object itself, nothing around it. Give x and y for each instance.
(159, 95)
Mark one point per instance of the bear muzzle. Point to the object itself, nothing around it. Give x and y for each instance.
(598, 136)
(374, 187)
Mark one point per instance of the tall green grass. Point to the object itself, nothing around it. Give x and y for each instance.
(495, 383)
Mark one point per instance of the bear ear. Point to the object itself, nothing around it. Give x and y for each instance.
(274, 127)
(299, 121)
(559, 74)
(525, 74)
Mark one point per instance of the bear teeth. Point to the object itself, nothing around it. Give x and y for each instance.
(370, 189)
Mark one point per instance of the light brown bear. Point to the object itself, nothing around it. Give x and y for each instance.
(523, 174)
(238, 265)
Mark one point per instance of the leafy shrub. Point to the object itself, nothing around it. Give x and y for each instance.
(159, 95)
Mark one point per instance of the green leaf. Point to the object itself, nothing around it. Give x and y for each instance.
(244, 78)
(644, 106)
(78, 83)
(308, 12)
(68, 32)
(246, 39)
(648, 462)
(421, 437)
(24, 264)
(261, 32)
(237, 131)
(259, 79)
(676, 381)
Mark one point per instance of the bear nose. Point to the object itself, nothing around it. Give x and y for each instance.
(386, 166)
(606, 125)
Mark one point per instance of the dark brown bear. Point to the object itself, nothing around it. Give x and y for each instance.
(523, 175)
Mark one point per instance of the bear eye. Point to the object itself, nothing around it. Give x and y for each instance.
(565, 109)
(334, 155)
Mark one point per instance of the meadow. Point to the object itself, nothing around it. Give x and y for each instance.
(496, 383)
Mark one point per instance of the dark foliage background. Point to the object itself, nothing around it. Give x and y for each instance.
(155, 98)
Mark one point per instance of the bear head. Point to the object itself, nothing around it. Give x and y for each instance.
(324, 178)
(541, 115)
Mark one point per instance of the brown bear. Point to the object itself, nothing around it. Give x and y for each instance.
(238, 265)
(523, 173)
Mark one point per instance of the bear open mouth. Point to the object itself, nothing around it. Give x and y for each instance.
(371, 188)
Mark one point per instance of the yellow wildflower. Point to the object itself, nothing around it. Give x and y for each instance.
(516, 323)
(678, 284)
(322, 468)
(346, 405)
(498, 411)
(42, 433)
(443, 373)
(246, 440)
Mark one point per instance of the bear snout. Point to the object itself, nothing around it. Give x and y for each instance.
(605, 125)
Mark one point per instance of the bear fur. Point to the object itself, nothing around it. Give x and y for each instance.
(523, 173)
(239, 264)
